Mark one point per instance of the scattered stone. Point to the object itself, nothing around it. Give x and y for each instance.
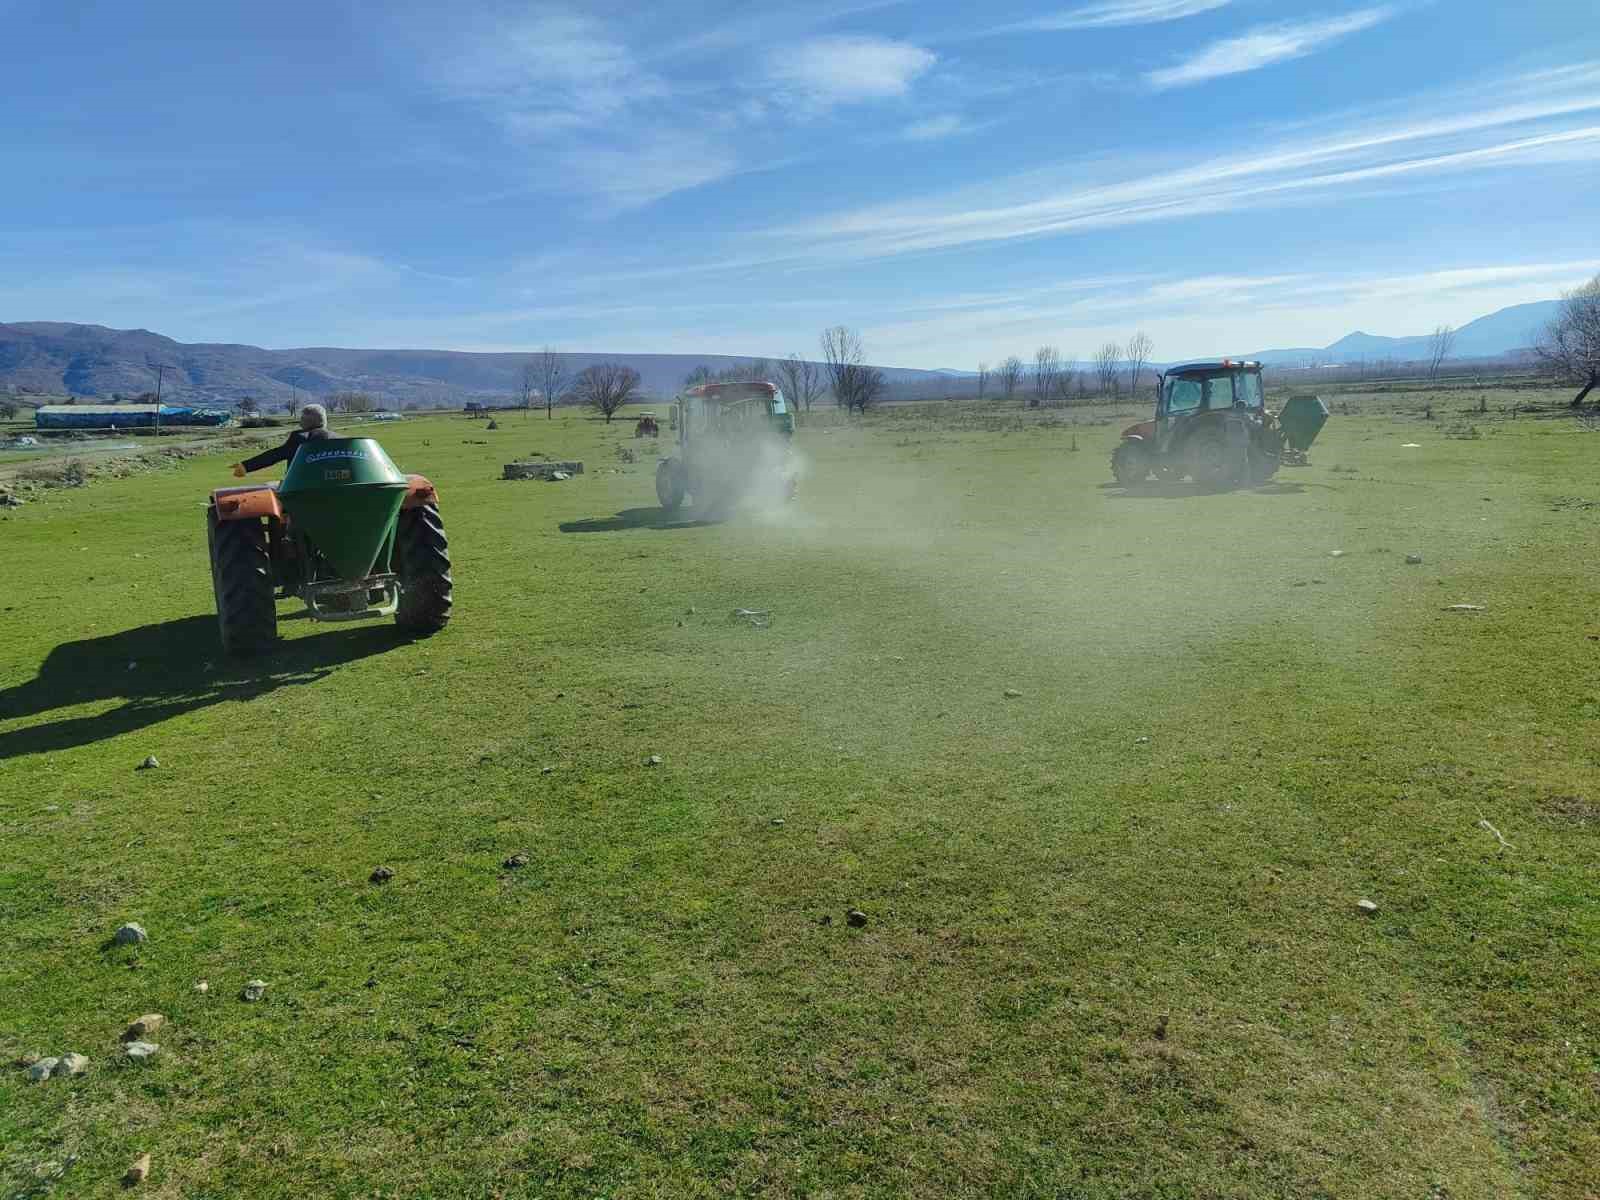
(72, 1064)
(492, 425)
(1141, 741)
(1411, 445)
(381, 875)
(1366, 906)
(547, 770)
(43, 1069)
(139, 1172)
(143, 1027)
(856, 918)
(253, 991)
(824, 919)
(140, 1051)
(693, 610)
(1013, 694)
(541, 470)
(130, 934)
(1161, 1027)
(1335, 553)
(150, 763)
(779, 821)
(756, 618)
(653, 761)
(1414, 560)
(1463, 608)
(558, 476)
(27, 1060)
(516, 861)
(202, 987)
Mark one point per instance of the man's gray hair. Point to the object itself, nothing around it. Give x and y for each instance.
(314, 416)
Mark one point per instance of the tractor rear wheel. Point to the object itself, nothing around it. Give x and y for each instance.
(1214, 462)
(422, 560)
(1130, 463)
(241, 580)
(670, 483)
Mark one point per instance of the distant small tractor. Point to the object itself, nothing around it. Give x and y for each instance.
(733, 440)
(1212, 425)
(646, 426)
(344, 531)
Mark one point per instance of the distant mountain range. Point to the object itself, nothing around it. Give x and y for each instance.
(91, 360)
(1503, 332)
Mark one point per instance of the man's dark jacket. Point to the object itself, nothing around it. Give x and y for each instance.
(286, 451)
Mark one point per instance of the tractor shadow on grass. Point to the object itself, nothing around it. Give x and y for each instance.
(639, 518)
(1156, 490)
(163, 671)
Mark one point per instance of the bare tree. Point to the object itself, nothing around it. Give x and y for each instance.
(8, 409)
(528, 385)
(802, 381)
(1105, 366)
(1009, 375)
(606, 387)
(1046, 371)
(1569, 346)
(856, 386)
(250, 406)
(1440, 342)
(1067, 378)
(292, 405)
(550, 373)
(1140, 346)
(983, 379)
(757, 370)
(701, 374)
(352, 402)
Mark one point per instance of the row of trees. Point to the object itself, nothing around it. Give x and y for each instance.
(1054, 376)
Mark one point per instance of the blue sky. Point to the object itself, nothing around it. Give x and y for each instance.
(958, 181)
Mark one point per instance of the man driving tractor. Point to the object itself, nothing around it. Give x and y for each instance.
(313, 428)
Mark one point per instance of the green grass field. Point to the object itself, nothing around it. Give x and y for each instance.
(1113, 945)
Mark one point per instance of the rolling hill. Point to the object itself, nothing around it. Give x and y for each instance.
(91, 360)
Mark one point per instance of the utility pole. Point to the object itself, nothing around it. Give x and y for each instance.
(160, 369)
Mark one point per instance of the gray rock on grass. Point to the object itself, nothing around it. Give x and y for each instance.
(141, 1051)
(130, 934)
(43, 1069)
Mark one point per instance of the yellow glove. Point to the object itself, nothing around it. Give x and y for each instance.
(238, 470)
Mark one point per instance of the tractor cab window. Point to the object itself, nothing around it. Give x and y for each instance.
(1247, 389)
(1183, 396)
(1219, 391)
(778, 407)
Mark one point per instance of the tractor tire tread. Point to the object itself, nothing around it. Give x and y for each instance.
(422, 553)
(241, 576)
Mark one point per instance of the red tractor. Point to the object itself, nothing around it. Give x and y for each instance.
(1212, 425)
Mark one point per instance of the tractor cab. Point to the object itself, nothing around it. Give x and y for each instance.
(732, 410)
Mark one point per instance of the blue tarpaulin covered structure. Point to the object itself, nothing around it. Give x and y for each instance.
(125, 416)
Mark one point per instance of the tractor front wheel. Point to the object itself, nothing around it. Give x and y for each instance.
(1130, 464)
(241, 580)
(670, 485)
(422, 560)
(1266, 453)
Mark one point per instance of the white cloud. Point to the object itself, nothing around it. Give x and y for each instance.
(934, 128)
(549, 72)
(1117, 12)
(1537, 119)
(656, 165)
(826, 71)
(1265, 45)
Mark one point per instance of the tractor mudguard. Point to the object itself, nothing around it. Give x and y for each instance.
(248, 503)
(419, 492)
(1144, 431)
